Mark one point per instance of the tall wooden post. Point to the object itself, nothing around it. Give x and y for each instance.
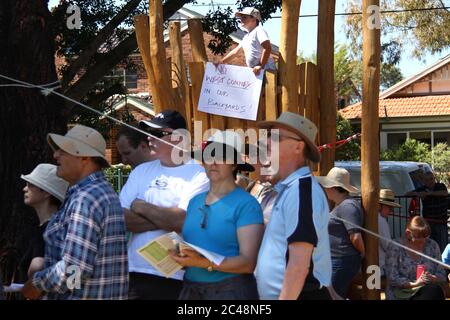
(197, 42)
(290, 10)
(370, 144)
(162, 94)
(325, 64)
(142, 29)
(179, 75)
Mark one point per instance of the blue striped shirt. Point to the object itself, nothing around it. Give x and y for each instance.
(300, 214)
(85, 245)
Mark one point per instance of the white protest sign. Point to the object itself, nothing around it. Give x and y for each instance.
(230, 91)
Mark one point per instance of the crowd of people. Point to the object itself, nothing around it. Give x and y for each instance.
(281, 241)
(287, 235)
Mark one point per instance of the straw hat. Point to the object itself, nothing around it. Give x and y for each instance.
(387, 197)
(44, 177)
(337, 177)
(302, 126)
(80, 141)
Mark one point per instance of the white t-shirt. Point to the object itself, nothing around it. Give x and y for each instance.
(251, 43)
(383, 230)
(162, 186)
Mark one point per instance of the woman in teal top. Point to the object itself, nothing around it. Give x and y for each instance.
(225, 220)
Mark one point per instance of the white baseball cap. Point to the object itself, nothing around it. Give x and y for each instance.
(249, 11)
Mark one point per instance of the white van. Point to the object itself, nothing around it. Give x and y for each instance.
(400, 177)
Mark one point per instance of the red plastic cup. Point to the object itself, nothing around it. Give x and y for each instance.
(420, 269)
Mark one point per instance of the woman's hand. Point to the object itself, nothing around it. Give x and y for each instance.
(190, 258)
(430, 278)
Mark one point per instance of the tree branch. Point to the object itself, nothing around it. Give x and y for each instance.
(93, 74)
(101, 37)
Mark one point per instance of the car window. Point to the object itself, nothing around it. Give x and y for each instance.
(417, 178)
(398, 181)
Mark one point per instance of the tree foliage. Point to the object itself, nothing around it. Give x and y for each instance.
(426, 31)
(410, 150)
(351, 150)
(440, 161)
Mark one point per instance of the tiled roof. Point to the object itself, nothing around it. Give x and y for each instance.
(436, 105)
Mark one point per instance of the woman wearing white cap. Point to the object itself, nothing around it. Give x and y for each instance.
(44, 191)
(346, 243)
(225, 220)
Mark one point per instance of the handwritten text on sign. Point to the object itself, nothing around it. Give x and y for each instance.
(230, 91)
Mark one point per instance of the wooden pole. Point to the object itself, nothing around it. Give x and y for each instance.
(288, 55)
(271, 95)
(142, 29)
(370, 144)
(325, 64)
(197, 71)
(309, 98)
(179, 75)
(163, 96)
(197, 42)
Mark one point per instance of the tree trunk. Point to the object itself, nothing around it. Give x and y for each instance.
(26, 115)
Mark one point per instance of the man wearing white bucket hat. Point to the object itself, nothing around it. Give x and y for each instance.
(86, 252)
(294, 260)
(44, 191)
(346, 243)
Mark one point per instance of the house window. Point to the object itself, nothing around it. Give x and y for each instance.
(441, 137)
(422, 136)
(395, 139)
(128, 77)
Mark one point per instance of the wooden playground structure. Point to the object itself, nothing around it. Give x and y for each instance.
(307, 89)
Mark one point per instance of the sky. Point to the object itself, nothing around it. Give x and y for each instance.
(307, 35)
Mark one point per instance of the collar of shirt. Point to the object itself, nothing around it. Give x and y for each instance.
(83, 182)
(294, 176)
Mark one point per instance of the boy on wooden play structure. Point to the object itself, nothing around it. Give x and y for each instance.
(256, 43)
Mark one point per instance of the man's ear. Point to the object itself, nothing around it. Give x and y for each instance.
(299, 147)
(143, 145)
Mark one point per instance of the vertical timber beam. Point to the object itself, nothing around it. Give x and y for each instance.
(142, 28)
(163, 95)
(370, 138)
(288, 55)
(179, 75)
(197, 42)
(325, 64)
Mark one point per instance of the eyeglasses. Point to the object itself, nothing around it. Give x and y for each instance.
(279, 137)
(204, 211)
(159, 133)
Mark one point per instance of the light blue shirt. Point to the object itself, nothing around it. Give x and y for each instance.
(288, 225)
(446, 255)
(214, 228)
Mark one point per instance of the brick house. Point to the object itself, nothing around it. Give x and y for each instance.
(417, 107)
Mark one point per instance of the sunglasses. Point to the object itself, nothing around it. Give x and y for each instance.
(204, 221)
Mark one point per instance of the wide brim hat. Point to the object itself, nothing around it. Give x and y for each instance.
(387, 197)
(80, 141)
(298, 124)
(44, 177)
(337, 177)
